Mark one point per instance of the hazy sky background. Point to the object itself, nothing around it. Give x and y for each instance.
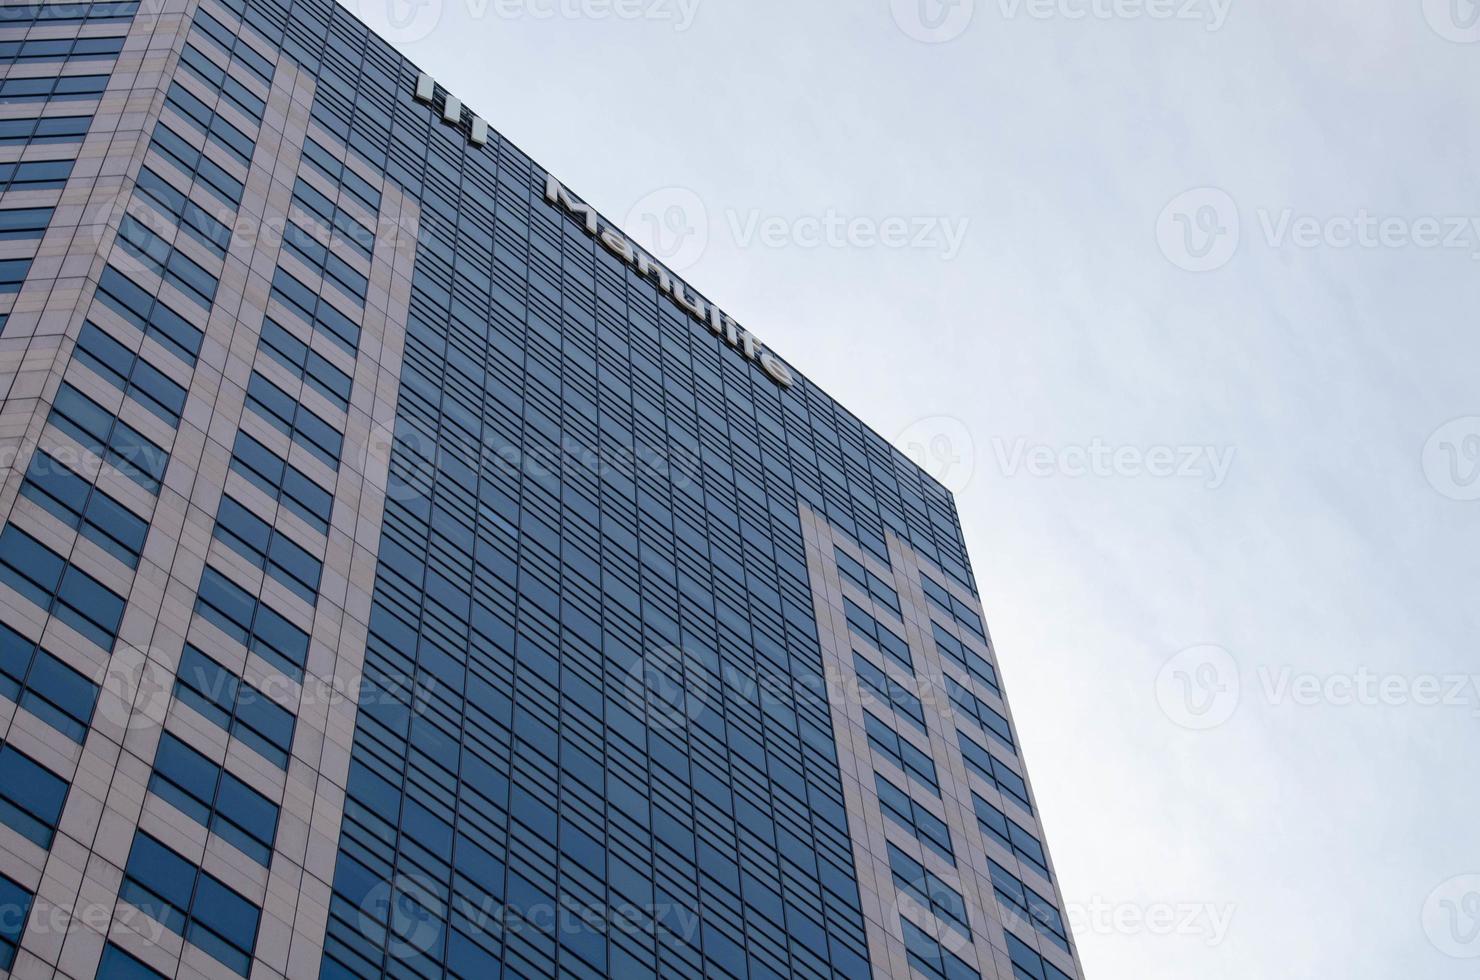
(1225, 676)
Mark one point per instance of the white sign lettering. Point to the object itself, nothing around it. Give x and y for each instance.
(708, 314)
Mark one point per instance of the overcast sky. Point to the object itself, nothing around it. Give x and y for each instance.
(1180, 297)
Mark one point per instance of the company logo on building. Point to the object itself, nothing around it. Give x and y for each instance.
(706, 313)
(452, 108)
(627, 250)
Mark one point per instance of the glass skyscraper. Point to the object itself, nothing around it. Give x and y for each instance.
(402, 574)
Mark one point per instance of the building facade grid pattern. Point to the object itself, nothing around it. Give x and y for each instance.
(465, 607)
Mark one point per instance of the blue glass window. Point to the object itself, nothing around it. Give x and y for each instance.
(119, 965)
(286, 414)
(929, 829)
(890, 691)
(166, 261)
(44, 129)
(192, 219)
(17, 223)
(929, 889)
(934, 960)
(70, 594)
(992, 721)
(193, 163)
(217, 79)
(45, 686)
(31, 796)
(118, 443)
(15, 909)
(217, 129)
(1012, 835)
(326, 163)
(40, 51)
(306, 362)
(130, 373)
(866, 581)
(13, 274)
(253, 624)
(215, 798)
(235, 706)
(131, 301)
(963, 614)
(877, 633)
(189, 902)
(52, 88)
(282, 481)
(269, 549)
(110, 12)
(966, 658)
(1030, 905)
(902, 752)
(34, 175)
(227, 40)
(1027, 964)
(993, 770)
(319, 313)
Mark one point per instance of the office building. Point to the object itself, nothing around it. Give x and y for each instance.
(402, 574)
